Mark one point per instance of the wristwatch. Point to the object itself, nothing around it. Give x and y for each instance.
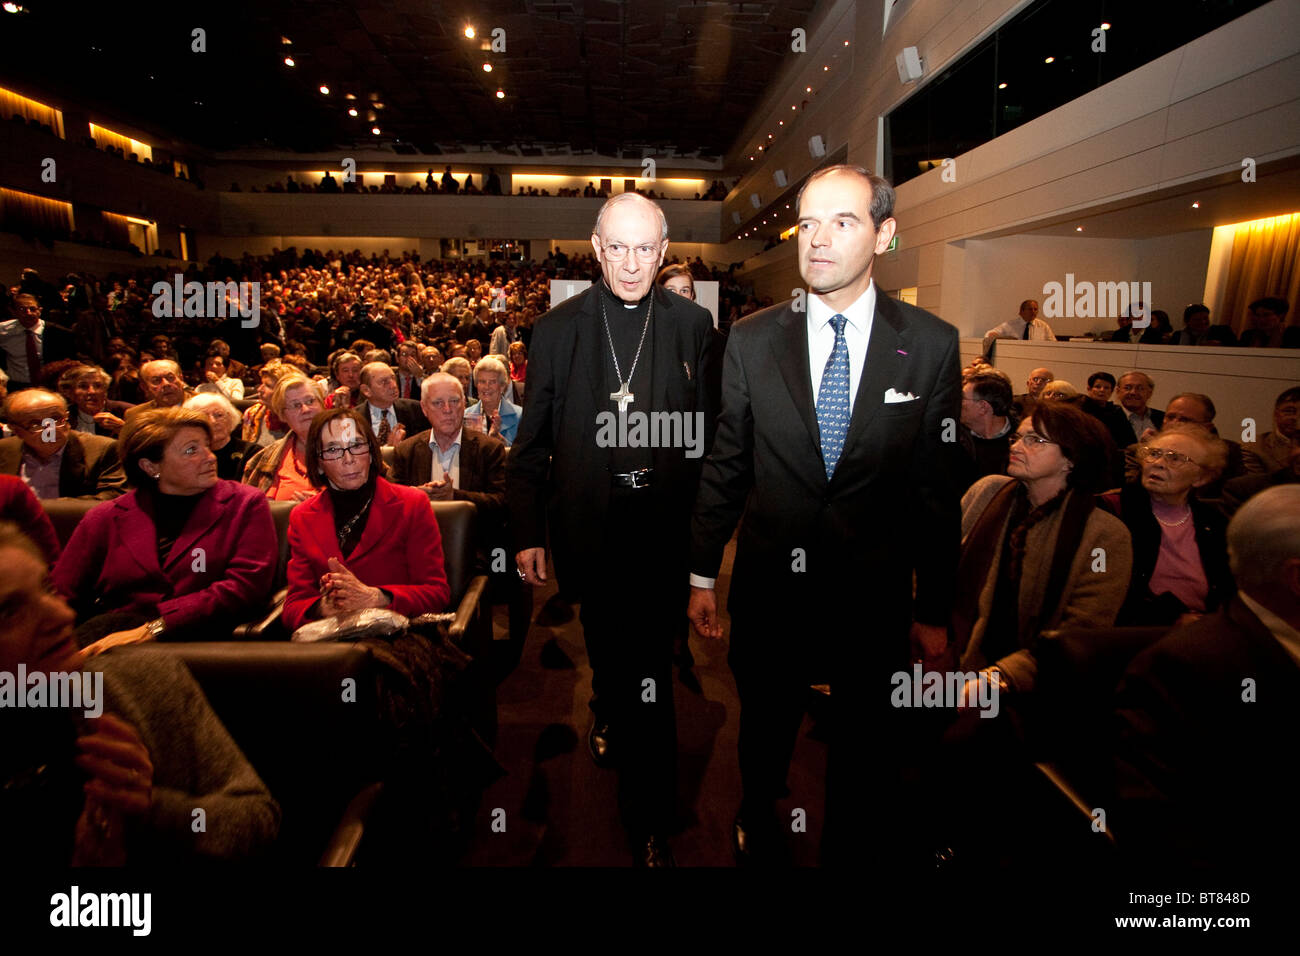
(155, 628)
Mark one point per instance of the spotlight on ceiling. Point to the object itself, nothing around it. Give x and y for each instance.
(325, 90)
(375, 130)
(469, 33)
(487, 67)
(501, 94)
(288, 61)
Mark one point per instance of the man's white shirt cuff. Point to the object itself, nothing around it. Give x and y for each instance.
(699, 582)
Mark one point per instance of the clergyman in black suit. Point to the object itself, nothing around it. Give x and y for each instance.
(391, 418)
(621, 402)
(1205, 767)
(846, 493)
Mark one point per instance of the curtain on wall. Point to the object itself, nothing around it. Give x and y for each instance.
(30, 215)
(1265, 260)
(14, 103)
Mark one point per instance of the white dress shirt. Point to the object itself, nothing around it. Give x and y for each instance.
(1039, 331)
(821, 342)
(13, 339)
(446, 463)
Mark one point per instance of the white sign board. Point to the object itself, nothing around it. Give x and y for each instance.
(562, 289)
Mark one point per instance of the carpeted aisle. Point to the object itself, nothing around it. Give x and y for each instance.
(554, 807)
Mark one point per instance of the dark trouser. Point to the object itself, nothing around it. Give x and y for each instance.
(632, 606)
(870, 812)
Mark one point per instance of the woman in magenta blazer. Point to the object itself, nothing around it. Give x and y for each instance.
(363, 542)
(185, 555)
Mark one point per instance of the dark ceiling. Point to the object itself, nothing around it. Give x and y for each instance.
(655, 75)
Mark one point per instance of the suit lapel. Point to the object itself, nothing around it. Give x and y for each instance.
(469, 448)
(664, 347)
(378, 522)
(885, 357)
(72, 473)
(590, 354)
(138, 532)
(790, 348)
(208, 512)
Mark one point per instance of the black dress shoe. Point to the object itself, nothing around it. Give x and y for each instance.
(598, 742)
(654, 851)
(754, 847)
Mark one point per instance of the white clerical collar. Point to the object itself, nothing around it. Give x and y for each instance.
(859, 314)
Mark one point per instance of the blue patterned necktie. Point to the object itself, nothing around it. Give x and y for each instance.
(833, 400)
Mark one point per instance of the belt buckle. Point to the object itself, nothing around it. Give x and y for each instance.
(638, 476)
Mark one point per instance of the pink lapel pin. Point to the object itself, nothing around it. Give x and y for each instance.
(900, 351)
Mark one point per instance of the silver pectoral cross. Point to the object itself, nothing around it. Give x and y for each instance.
(623, 397)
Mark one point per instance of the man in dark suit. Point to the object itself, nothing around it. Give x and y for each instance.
(620, 360)
(451, 462)
(1204, 766)
(54, 460)
(1135, 391)
(846, 493)
(28, 343)
(392, 418)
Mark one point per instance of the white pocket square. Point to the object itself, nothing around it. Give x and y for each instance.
(893, 398)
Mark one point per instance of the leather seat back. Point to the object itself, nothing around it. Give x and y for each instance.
(456, 525)
(66, 513)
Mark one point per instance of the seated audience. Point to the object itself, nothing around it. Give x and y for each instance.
(1179, 564)
(1205, 717)
(1273, 450)
(1101, 386)
(409, 372)
(493, 413)
(1241, 489)
(87, 386)
(461, 370)
(1135, 391)
(163, 386)
(1195, 409)
(51, 458)
(363, 542)
(217, 379)
(430, 359)
(518, 362)
(19, 505)
(1197, 329)
(1024, 403)
(280, 469)
(1028, 547)
(261, 427)
(119, 788)
(1059, 390)
(345, 375)
(223, 417)
(391, 418)
(677, 278)
(182, 557)
(1268, 328)
(989, 425)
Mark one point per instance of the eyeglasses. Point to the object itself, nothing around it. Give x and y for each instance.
(617, 251)
(1033, 440)
(1147, 453)
(444, 403)
(358, 449)
(307, 403)
(36, 424)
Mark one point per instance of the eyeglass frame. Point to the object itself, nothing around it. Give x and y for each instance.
(656, 250)
(359, 449)
(1148, 453)
(1035, 440)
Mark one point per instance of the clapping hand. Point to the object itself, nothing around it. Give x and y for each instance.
(342, 591)
(121, 773)
(109, 421)
(342, 397)
(397, 435)
(439, 490)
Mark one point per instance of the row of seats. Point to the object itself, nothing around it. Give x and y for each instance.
(283, 703)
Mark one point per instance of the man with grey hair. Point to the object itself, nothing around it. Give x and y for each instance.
(616, 508)
(162, 382)
(1205, 763)
(53, 459)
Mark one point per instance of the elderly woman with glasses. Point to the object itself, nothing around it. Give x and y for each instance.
(1029, 546)
(280, 469)
(493, 413)
(224, 418)
(363, 542)
(1180, 561)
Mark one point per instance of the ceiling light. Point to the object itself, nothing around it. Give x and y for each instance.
(379, 106)
(826, 69)
(288, 61)
(1105, 26)
(353, 111)
(846, 42)
(501, 94)
(325, 90)
(769, 135)
(487, 67)
(807, 89)
(285, 40)
(469, 32)
(1002, 86)
(1078, 228)
(375, 130)
(1196, 205)
(780, 122)
(794, 106)
(13, 8)
(751, 159)
(1050, 59)
(349, 96)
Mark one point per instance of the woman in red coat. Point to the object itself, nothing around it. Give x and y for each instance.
(363, 542)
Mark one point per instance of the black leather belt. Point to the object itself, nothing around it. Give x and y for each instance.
(641, 478)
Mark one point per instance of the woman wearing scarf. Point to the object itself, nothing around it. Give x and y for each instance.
(1030, 539)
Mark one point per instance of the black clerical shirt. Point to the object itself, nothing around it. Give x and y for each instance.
(625, 327)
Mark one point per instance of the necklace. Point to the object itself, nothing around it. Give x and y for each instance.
(1175, 524)
(348, 525)
(623, 396)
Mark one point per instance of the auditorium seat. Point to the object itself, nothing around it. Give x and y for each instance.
(66, 513)
(313, 737)
(389, 454)
(265, 625)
